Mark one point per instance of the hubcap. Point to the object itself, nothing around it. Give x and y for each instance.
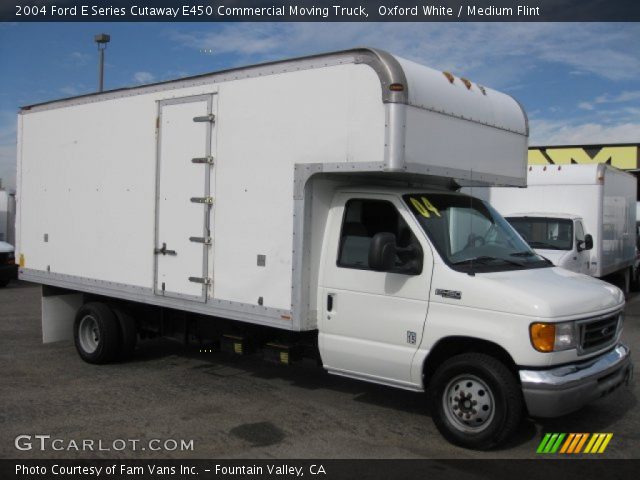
(468, 403)
(89, 334)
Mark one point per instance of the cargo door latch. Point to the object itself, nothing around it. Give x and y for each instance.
(164, 251)
(202, 280)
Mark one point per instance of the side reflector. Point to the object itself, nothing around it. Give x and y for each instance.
(21, 262)
(396, 87)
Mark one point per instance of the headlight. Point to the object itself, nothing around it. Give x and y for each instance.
(552, 337)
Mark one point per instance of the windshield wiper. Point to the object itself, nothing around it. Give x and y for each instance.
(483, 259)
(543, 245)
(522, 254)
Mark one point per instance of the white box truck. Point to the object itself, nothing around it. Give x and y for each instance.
(581, 217)
(309, 207)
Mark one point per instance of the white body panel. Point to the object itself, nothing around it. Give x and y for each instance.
(601, 197)
(94, 204)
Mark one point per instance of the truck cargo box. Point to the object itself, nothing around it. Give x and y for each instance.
(206, 193)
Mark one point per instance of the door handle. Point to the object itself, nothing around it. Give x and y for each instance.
(164, 250)
(330, 302)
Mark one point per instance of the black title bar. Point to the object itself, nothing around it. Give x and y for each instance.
(319, 11)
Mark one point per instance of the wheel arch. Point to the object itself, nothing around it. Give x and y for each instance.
(448, 347)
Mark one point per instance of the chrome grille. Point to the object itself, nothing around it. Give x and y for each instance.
(597, 334)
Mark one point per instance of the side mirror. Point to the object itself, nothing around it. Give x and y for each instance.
(586, 244)
(382, 251)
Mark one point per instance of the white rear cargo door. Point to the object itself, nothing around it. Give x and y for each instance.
(184, 197)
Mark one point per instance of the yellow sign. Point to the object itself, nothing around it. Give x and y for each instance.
(624, 157)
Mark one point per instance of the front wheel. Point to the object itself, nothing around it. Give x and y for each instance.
(475, 401)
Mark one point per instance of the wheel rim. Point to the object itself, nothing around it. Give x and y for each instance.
(468, 403)
(89, 334)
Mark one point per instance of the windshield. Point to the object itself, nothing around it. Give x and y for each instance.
(470, 235)
(545, 233)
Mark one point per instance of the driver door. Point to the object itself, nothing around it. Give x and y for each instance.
(371, 322)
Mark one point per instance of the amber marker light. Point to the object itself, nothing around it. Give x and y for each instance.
(543, 336)
(396, 87)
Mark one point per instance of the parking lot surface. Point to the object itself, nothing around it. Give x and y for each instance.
(238, 407)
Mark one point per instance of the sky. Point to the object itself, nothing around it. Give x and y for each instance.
(577, 82)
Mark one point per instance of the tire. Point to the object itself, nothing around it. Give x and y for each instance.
(4, 282)
(498, 408)
(128, 333)
(96, 333)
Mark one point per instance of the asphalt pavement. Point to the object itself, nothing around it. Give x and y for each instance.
(212, 405)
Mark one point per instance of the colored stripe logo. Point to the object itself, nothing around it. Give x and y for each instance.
(572, 443)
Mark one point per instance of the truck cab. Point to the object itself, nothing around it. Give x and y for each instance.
(433, 290)
(559, 237)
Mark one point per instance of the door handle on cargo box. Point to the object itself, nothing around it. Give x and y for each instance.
(164, 250)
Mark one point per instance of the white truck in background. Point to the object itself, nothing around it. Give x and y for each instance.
(581, 217)
(309, 207)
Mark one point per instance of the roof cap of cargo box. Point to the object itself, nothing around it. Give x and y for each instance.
(402, 81)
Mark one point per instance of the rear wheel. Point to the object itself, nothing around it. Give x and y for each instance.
(96, 333)
(475, 401)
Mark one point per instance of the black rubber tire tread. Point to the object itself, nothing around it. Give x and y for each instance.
(509, 404)
(128, 333)
(109, 333)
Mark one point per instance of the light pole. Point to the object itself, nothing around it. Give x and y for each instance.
(101, 39)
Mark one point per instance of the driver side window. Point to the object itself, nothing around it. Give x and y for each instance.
(362, 220)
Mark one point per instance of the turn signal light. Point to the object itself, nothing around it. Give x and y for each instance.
(543, 336)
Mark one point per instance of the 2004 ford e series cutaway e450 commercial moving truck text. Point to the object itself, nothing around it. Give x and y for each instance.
(310, 207)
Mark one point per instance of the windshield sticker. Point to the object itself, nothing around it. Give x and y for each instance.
(424, 207)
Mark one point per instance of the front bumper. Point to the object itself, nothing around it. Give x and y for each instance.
(561, 390)
(8, 272)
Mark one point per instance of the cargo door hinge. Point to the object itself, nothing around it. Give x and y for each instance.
(205, 118)
(205, 200)
(204, 240)
(202, 280)
(208, 160)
